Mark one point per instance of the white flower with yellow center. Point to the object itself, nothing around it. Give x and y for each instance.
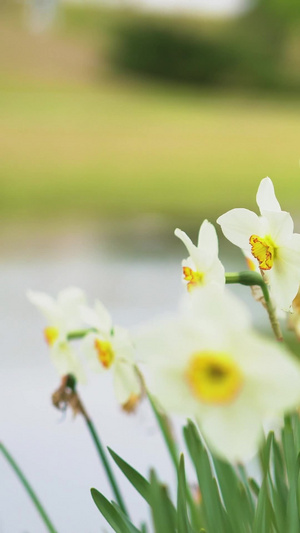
(209, 364)
(270, 240)
(63, 317)
(110, 348)
(203, 266)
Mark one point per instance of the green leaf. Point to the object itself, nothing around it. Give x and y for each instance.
(182, 514)
(263, 522)
(125, 518)
(215, 516)
(254, 486)
(237, 501)
(280, 474)
(113, 514)
(135, 478)
(295, 420)
(289, 449)
(163, 514)
(292, 511)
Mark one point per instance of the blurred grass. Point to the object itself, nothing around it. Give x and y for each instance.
(123, 147)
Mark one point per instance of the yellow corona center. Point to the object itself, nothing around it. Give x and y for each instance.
(214, 377)
(105, 353)
(193, 278)
(51, 335)
(263, 250)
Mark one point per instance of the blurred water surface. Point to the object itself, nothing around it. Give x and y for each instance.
(137, 277)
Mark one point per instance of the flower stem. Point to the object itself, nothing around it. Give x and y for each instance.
(250, 278)
(79, 334)
(28, 489)
(106, 465)
(67, 394)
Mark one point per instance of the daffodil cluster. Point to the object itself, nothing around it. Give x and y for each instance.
(105, 347)
(207, 361)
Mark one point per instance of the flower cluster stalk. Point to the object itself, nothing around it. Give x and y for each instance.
(67, 394)
(252, 279)
(106, 464)
(31, 493)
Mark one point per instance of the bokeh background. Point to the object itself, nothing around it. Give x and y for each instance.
(119, 122)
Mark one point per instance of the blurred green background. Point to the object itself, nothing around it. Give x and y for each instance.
(113, 112)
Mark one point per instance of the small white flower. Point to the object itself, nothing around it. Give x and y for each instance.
(63, 316)
(270, 240)
(203, 266)
(110, 347)
(208, 363)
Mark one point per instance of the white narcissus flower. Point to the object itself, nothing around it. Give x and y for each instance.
(208, 363)
(63, 316)
(270, 240)
(110, 347)
(203, 266)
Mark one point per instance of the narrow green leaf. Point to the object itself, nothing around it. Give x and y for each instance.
(280, 474)
(239, 505)
(254, 486)
(182, 514)
(125, 518)
(293, 522)
(263, 522)
(295, 420)
(289, 449)
(215, 516)
(111, 515)
(135, 478)
(164, 517)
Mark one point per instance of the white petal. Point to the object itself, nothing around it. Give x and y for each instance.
(281, 226)
(284, 280)
(47, 305)
(66, 362)
(159, 340)
(122, 344)
(290, 251)
(70, 298)
(216, 273)
(208, 240)
(220, 307)
(273, 376)
(90, 317)
(126, 381)
(90, 353)
(238, 225)
(171, 390)
(233, 432)
(186, 241)
(265, 198)
(104, 316)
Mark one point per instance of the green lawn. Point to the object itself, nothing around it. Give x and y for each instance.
(124, 148)
(77, 145)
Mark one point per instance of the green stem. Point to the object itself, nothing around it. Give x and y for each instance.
(79, 334)
(250, 278)
(164, 425)
(28, 489)
(106, 465)
(69, 382)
